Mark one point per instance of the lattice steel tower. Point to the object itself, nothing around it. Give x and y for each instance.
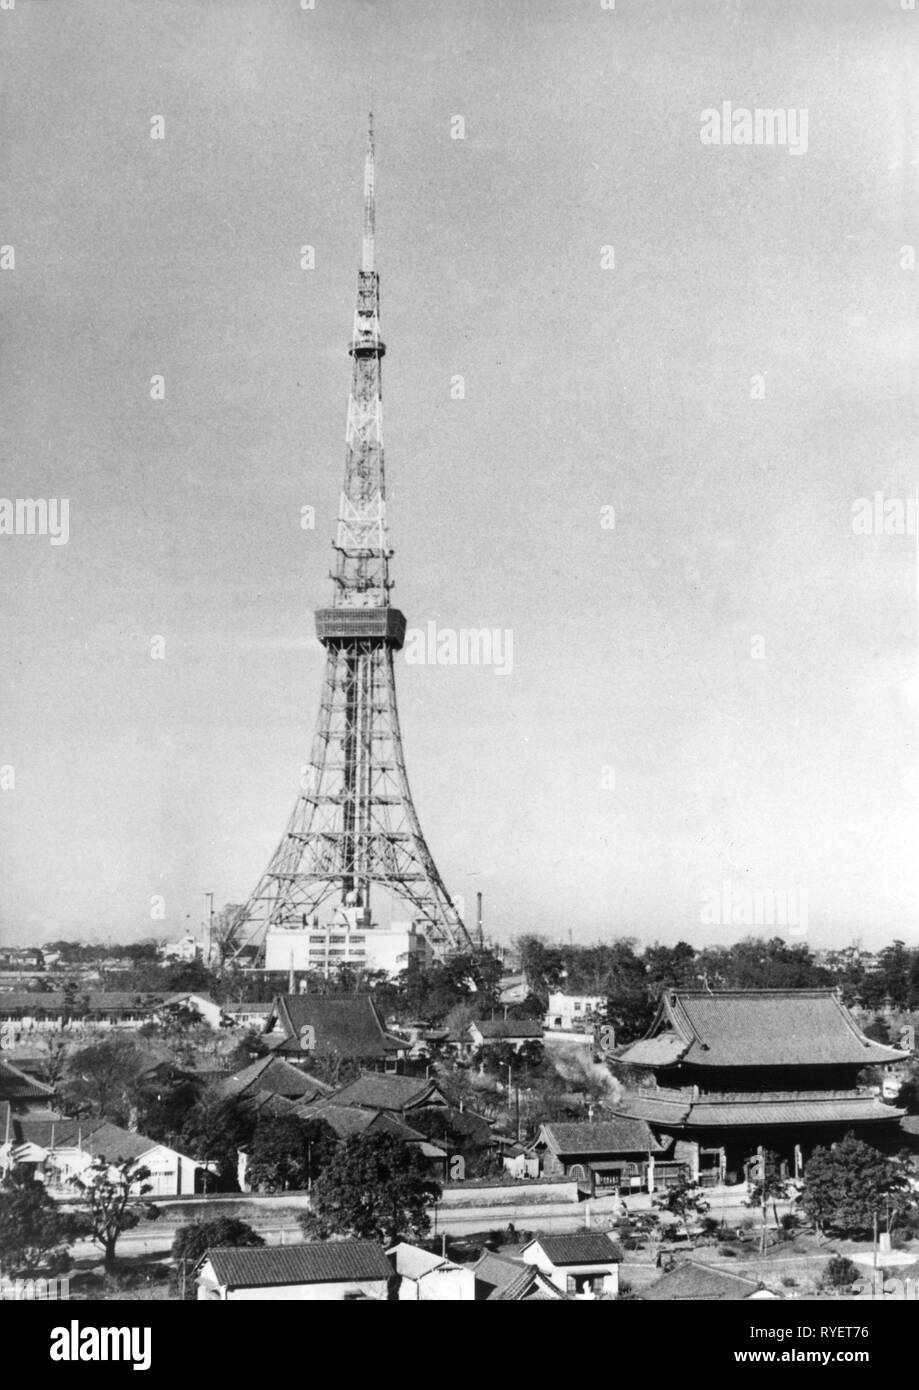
(354, 828)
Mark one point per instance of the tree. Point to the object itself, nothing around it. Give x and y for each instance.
(163, 1097)
(499, 1058)
(100, 1078)
(182, 1028)
(755, 963)
(769, 1188)
(683, 1199)
(541, 963)
(215, 1130)
(848, 1186)
(34, 1232)
(670, 967)
(376, 1187)
(76, 1005)
(195, 1238)
(287, 1152)
(113, 1208)
(54, 1059)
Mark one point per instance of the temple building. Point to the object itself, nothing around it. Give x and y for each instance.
(726, 1077)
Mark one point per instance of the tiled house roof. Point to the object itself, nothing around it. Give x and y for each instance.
(96, 1137)
(345, 1025)
(700, 1282)
(581, 1248)
(756, 1028)
(380, 1091)
(276, 1076)
(620, 1135)
(500, 1279)
(318, 1262)
(349, 1120)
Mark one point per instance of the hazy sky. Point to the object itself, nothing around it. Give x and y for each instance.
(788, 763)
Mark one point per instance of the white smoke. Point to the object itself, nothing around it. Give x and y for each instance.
(576, 1064)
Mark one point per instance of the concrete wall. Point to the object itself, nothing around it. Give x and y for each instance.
(304, 1293)
(440, 1286)
(510, 1194)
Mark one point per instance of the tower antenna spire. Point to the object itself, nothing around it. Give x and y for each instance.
(369, 195)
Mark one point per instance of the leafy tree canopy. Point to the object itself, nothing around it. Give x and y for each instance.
(847, 1185)
(34, 1232)
(376, 1187)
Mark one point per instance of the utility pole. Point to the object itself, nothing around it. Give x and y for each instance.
(208, 927)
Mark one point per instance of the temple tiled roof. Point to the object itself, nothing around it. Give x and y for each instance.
(760, 1108)
(756, 1028)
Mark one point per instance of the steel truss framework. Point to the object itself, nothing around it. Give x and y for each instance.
(354, 826)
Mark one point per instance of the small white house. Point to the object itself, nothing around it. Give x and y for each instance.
(584, 1265)
(574, 1012)
(60, 1151)
(211, 1013)
(428, 1278)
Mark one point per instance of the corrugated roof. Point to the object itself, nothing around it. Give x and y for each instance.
(317, 1262)
(764, 1028)
(584, 1248)
(623, 1134)
(382, 1092)
(345, 1025)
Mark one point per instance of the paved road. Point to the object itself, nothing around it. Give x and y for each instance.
(154, 1238)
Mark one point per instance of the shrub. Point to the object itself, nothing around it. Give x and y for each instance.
(789, 1281)
(727, 1250)
(839, 1272)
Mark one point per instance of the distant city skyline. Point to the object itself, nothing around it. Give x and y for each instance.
(641, 395)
